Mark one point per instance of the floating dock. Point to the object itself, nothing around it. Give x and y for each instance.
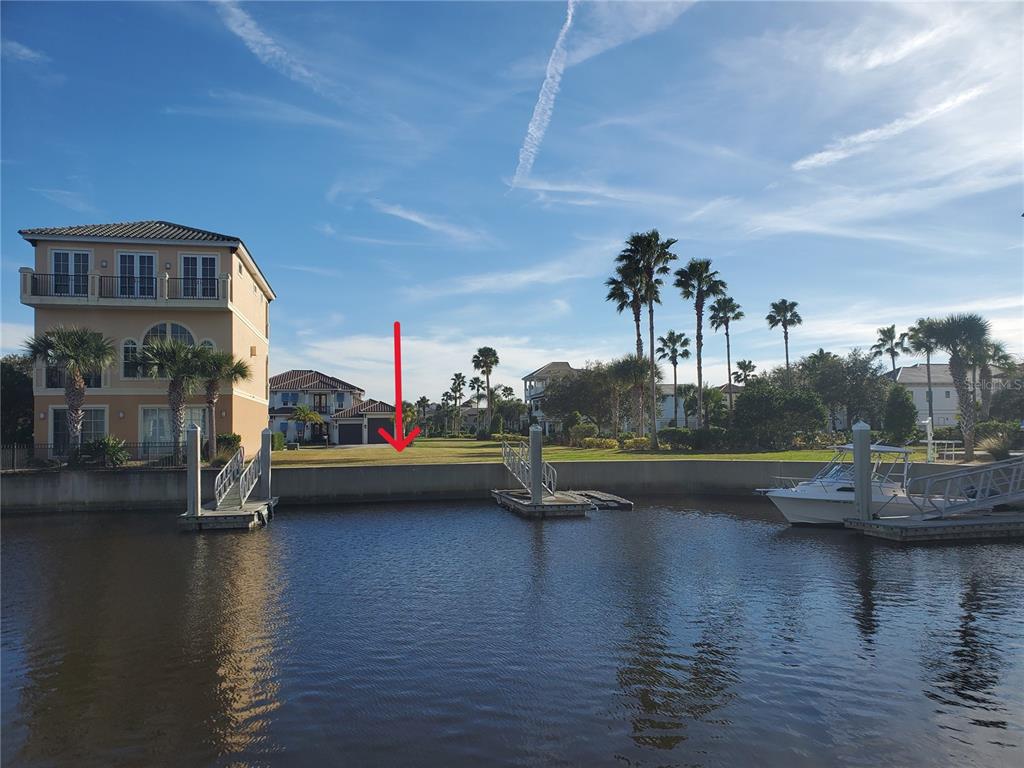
(559, 504)
(251, 515)
(976, 528)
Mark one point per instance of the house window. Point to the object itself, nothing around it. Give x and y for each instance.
(136, 274)
(156, 425)
(130, 359)
(70, 273)
(200, 273)
(947, 394)
(173, 331)
(284, 427)
(57, 377)
(94, 426)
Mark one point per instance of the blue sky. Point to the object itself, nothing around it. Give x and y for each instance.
(472, 169)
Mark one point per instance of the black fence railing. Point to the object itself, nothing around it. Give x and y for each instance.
(60, 455)
(59, 285)
(193, 288)
(127, 287)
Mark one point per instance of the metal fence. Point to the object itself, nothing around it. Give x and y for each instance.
(127, 287)
(60, 284)
(193, 288)
(60, 455)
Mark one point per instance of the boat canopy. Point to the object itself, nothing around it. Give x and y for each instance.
(875, 448)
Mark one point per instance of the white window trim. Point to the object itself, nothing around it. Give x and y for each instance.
(71, 258)
(52, 408)
(120, 355)
(200, 255)
(164, 406)
(168, 324)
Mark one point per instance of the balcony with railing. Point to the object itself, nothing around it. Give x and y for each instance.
(45, 289)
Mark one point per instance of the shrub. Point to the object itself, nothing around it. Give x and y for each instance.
(222, 458)
(900, 416)
(600, 442)
(708, 439)
(229, 441)
(109, 451)
(997, 446)
(770, 416)
(483, 434)
(994, 427)
(277, 442)
(623, 437)
(579, 432)
(677, 438)
(946, 433)
(637, 444)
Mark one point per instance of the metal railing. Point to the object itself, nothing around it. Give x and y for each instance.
(227, 477)
(969, 488)
(193, 288)
(60, 284)
(249, 477)
(517, 459)
(128, 287)
(60, 455)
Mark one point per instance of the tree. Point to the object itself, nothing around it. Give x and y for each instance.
(421, 407)
(181, 365)
(486, 360)
(588, 390)
(16, 401)
(625, 289)
(697, 281)
(408, 415)
(993, 355)
(770, 416)
(900, 418)
(216, 368)
(744, 371)
(825, 373)
(921, 340)
(865, 388)
(304, 415)
(651, 257)
(77, 353)
(674, 347)
(783, 313)
(963, 336)
(1008, 403)
(629, 373)
(891, 344)
(457, 388)
(446, 410)
(478, 388)
(506, 392)
(725, 311)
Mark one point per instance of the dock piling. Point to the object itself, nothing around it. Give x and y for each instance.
(862, 469)
(536, 465)
(266, 443)
(194, 505)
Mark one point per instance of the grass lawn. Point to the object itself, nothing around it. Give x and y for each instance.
(436, 450)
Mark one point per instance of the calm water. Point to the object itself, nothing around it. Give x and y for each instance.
(456, 635)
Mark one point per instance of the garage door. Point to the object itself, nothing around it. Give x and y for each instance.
(373, 435)
(350, 434)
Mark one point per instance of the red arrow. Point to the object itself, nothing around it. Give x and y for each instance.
(400, 441)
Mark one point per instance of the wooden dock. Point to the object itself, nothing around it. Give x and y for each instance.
(975, 528)
(253, 514)
(560, 504)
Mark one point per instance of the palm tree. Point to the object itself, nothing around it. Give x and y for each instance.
(784, 313)
(724, 311)
(477, 387)
(458, 387)
(77, 353)
(921, 340)
(305, 415)
(744, 370)
(181, 365)
(216, 368)
(408, 415)
(506, 392)
(486, 360)
(993, 355)
(650, 256)
(963, 336)
(446, 405)
(699, 282)
(674, 347)
(624, 288)
(421, 408)
(891, 344)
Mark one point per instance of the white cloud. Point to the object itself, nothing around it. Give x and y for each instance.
(865, 140)
(433, 223)
(13, 335)
(861, 51)
(76, 201)
(265, 48)
(326, 229)
(545, 105)
(607, 25)
(235, 106)
(15, 51)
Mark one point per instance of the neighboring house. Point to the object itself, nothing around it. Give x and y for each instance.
(318, 391)
(359, 424)
(946, 404)
(686, 418)
(534, 385)
(137, 281)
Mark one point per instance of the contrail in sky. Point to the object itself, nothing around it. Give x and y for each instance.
(545, 101)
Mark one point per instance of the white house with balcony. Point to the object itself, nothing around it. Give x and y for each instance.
(534, 385)
(946, 404)
(326, 395)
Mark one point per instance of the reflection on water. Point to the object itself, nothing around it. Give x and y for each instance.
(458, 634)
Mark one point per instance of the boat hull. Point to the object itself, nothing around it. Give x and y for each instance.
(804, 509)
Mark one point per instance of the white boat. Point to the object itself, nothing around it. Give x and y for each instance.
(827, 498)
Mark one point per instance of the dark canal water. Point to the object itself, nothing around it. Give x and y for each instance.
(459, 635)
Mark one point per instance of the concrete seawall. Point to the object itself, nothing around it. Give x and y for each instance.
(156, 490)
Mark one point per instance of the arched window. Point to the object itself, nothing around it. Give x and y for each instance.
(130, 356)
(171, 331)
(207, 344)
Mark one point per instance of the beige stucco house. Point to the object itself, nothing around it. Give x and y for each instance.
(138, 280)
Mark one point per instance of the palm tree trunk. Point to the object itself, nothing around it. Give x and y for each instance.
(785, 340)
(675, 393)
(728, 368)
(958, 370)
(986, 391)
(211, 438)
(74, 397)
(176, 399)
(928, 373)
(654, 379)
(490, 403)
(699, 304)
(892, 355)
(639, 389)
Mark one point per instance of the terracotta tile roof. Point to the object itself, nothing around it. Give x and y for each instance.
(129, 230)
(309, 379)
(367, 406)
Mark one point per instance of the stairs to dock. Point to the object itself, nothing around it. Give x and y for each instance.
(969, 489)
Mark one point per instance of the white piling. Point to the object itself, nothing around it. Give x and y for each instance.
(193, 492)
(930, 435)
(862, 469)
(265, 445)
(536, 465)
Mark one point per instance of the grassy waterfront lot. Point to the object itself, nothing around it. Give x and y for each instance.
(467, 451)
